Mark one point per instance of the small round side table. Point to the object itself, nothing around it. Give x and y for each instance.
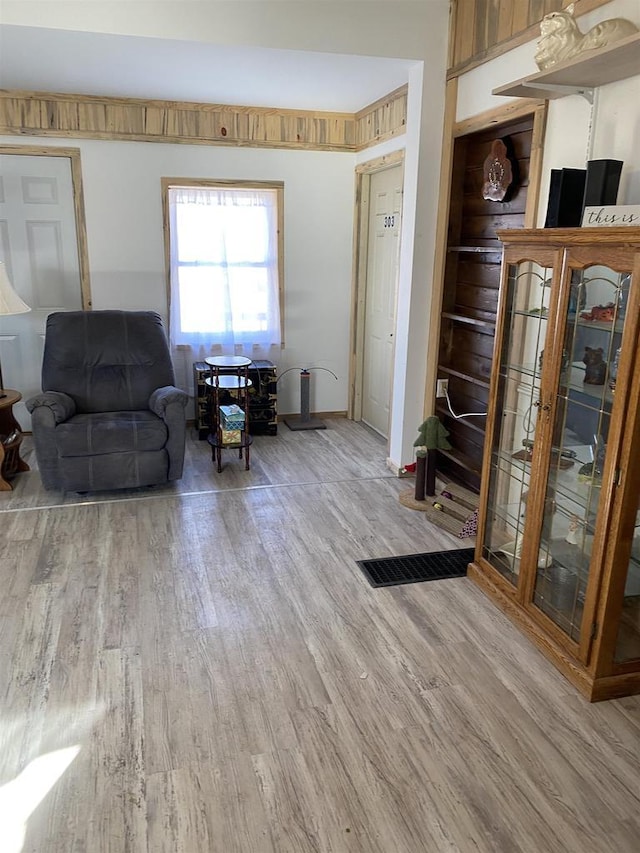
(229, 373)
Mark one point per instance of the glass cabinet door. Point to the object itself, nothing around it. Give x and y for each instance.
(584, 395)
(527, 300)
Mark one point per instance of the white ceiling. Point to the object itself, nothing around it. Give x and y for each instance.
(129, 66)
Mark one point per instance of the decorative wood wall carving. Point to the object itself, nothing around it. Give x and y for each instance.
(484, 29)
(497, 172)
(94, 117)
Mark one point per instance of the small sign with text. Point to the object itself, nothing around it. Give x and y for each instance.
(611, 216)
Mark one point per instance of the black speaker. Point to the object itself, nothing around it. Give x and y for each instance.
(603, 178)
(566, 194)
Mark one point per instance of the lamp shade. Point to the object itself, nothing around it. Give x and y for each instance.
(10, 302)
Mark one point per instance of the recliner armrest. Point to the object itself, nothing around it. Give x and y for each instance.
(164, 397)
(61, 404)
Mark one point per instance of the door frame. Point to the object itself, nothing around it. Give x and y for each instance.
(73, 155)
(363, 173)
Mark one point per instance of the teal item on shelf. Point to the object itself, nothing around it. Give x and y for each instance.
(231, 417)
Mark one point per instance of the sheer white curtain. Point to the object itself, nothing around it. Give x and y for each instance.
(224, 274)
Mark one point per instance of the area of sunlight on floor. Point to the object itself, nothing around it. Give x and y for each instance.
(20, 797)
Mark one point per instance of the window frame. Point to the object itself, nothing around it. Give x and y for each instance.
(225, 183)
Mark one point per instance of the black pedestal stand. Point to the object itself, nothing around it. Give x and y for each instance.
(304, 419)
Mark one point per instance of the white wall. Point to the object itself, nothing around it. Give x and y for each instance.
(422, 145)
(576, 130)
(122, 194)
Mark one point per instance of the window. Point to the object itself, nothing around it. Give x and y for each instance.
(225, 266)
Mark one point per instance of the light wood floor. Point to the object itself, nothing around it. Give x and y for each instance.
(204, 669)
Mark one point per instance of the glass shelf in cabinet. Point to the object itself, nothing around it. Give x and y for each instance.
(573, 379)
(523, 369)
(524, 374)
(509, 513)
(576, 559)
(565, 484)
(586, 408)
(536, 314)
(576, 383)
(616, 327)
(571, 499)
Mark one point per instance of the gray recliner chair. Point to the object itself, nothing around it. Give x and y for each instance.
(109, 416)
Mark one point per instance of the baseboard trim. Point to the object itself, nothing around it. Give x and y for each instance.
(320, 415)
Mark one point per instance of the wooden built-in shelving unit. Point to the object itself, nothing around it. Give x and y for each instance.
(470, 292)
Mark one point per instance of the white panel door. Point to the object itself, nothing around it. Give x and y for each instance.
(38, 244)
(380, 301)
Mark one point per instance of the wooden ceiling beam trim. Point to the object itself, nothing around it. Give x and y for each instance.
(27, 113)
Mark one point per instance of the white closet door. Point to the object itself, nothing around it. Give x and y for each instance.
(380, 307)
(38, 244)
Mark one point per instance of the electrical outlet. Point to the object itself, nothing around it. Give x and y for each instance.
(442, 387)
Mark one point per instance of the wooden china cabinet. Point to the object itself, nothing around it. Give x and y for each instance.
(558, 545)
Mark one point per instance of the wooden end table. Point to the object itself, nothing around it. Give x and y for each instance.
(235, 380)
(10, 461)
